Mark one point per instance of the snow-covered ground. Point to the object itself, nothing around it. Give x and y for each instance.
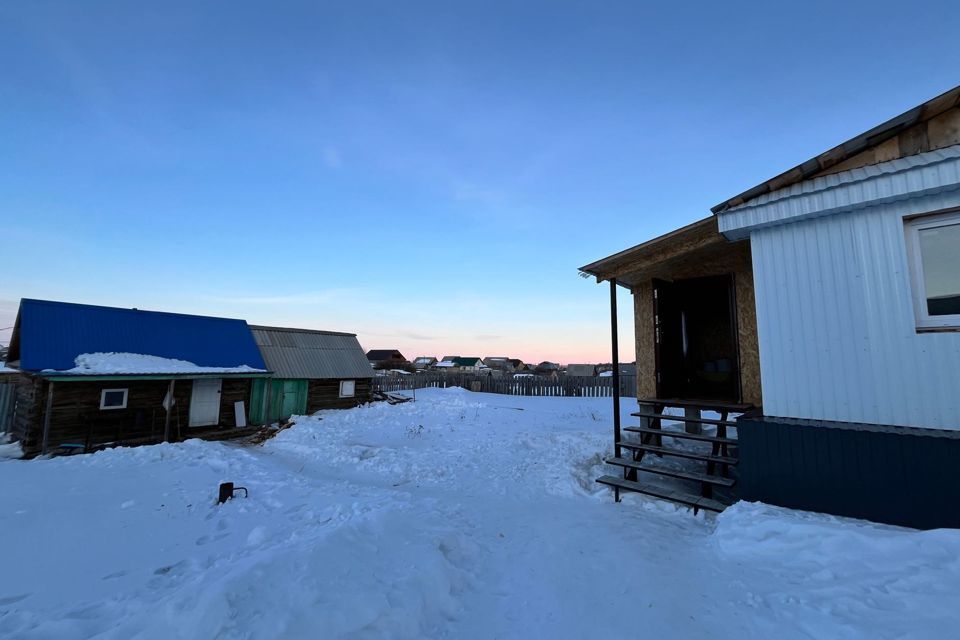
(461, 515)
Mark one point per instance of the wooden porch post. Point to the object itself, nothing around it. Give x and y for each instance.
(46, 420)
(615, 346)
(166, 420)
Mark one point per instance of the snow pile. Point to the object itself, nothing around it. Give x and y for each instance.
(460, 515)
(137, 363)
(838, 577)
(10, 450)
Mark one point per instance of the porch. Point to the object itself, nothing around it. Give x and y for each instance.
(697, 364)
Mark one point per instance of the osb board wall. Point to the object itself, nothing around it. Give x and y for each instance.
(645, 340)
(936, 133)
(737, 261)
(747, 335)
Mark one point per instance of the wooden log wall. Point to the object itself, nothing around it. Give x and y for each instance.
(569, 387)
(28, 411)
(76, 417)
(325, 394)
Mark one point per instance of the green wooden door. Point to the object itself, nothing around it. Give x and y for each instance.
(287, 398)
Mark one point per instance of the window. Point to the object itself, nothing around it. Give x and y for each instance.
(113, 399)
(348, 388)
(933, 246)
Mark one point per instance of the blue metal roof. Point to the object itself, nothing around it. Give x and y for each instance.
(50, 335)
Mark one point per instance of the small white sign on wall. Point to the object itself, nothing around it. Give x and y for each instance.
(240, 414)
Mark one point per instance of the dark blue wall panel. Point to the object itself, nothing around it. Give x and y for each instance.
(896, 475)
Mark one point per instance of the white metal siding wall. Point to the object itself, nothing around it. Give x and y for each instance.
(836, 326)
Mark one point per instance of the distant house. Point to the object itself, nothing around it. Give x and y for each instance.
(422, 363)
(547, 368)
(581, 370)
(502, 363)
(626, 369)
(469, 363)
(91, 377)
(312, 370)
(386, 359)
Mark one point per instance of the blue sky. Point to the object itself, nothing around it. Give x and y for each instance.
(428, 175)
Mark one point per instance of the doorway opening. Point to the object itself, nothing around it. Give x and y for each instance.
(696, 339)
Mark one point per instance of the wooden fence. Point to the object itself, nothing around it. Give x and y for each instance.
(574, 387)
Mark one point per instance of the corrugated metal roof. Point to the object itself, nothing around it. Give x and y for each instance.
(50, 335)
(305, 353)
(921, 174)
(877, 135)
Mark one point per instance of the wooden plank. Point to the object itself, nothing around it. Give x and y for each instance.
(678, 453)
(671, 418)
(689, 499)
(709, 405)
(699, 437)
(673, 473)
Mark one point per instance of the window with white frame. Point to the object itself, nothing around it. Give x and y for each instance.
(933, 246)
(113, 399)
(348, 388)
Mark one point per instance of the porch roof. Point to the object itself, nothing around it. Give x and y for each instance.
(684, 252)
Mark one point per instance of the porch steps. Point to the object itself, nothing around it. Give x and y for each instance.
(648, 438)
(683, 435)
(672, 473)
(704, 405)
(672, 418)
(680, 453)
(688, 499)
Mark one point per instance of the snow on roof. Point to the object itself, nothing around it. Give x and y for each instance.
(93, 364)
(4, 369)
(445, 363)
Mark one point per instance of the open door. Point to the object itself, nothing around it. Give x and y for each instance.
(697, 350)
(668, 337)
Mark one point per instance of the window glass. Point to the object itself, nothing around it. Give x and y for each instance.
(347, 388)
(940, 257)
(113, 399)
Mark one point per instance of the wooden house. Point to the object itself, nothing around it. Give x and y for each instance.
(824, 306)
(581, 370)
(91, 377)
(423, 363)
(312, 370)
(547, 368)
(386, 359)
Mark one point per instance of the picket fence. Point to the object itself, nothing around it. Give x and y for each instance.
(574, 387)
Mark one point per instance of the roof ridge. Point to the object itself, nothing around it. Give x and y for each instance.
(128, 309)
(263, 327)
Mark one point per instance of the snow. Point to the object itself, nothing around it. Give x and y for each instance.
(460, 515)
(137, 363)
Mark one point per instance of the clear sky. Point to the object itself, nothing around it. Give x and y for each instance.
(427, 175)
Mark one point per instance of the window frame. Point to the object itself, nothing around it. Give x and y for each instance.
(918, 289)
(103, 397)
(353, 393)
